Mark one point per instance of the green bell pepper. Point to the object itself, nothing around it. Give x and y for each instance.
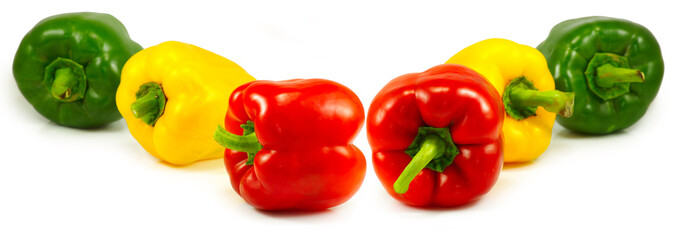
(68, 67)
(614, 66)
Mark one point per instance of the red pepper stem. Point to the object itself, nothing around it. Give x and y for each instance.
(431, 147)
(553, 101)
(607, 75)
(247, 143)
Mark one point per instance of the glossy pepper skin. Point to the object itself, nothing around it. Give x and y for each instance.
(529, 120)
(173, 96)
(452, 107)
(68, 67)
(610, 99)
(300, 156)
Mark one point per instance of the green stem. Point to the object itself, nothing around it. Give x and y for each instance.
(245, 143)
(432, 147)
(553, 101)
(607, 75)
(64, 81)
(521, 99)
(149, 104)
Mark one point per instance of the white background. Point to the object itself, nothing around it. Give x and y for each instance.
(61, 183)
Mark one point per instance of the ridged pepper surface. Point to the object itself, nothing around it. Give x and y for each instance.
(614, 66)
(173, 96)
(436, 136)
(521, 76)
(68, 67)
(289, 144)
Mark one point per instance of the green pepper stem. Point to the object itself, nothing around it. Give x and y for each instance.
(607, 75)
(247, 143)
(432, 147)
(64, 82)
(149, 104)
(553, 101)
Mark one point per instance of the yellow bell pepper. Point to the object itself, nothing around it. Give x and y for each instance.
(521, 76)
(173, 96)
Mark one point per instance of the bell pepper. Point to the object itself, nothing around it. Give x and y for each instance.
(173, 96)
(68, 67)
(521, 76)
(614, 66)
(289, 144)
(436, 136)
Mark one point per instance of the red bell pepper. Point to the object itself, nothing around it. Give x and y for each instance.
(436, 136)
(289, 144)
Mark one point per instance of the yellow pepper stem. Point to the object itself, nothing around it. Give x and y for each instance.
(149, 104)
(553, 101)
(521, 100)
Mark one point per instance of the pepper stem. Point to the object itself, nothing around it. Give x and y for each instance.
(608, 75)
(431, 147)
(553, 101)
(66, 80)
(248, 142)
(521, 100)
(149, 104)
